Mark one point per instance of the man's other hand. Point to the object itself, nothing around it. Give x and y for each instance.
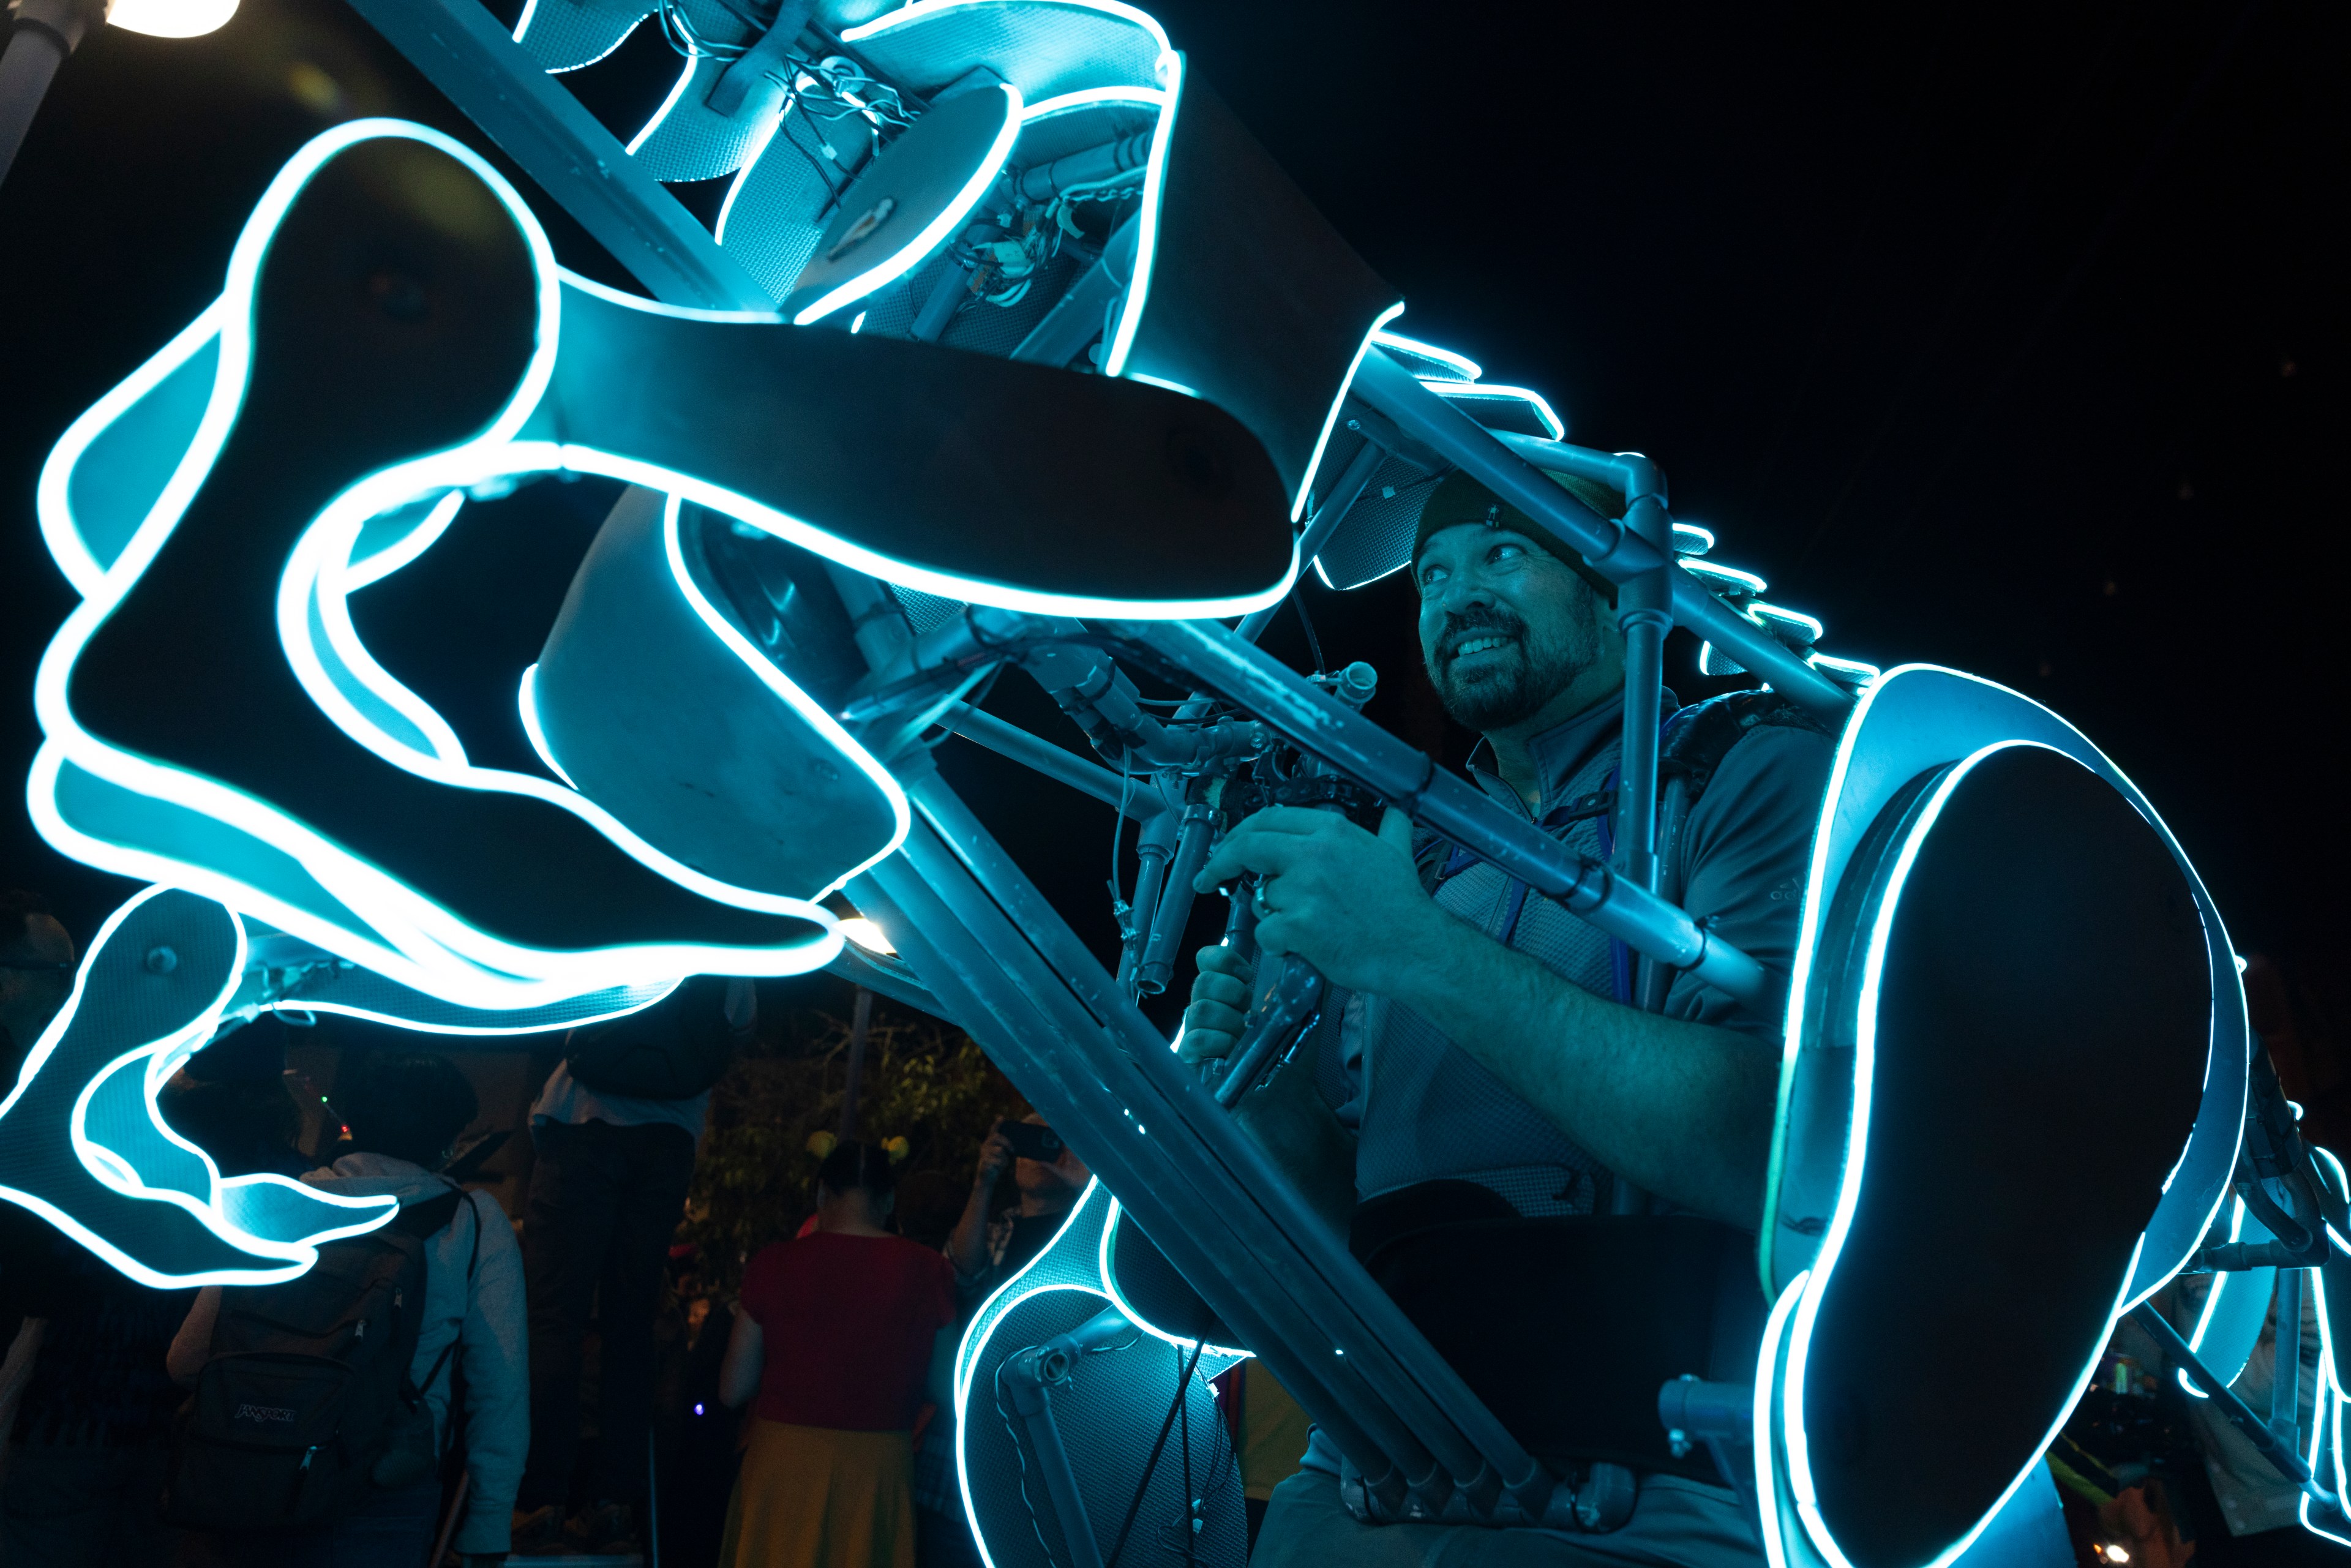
(1348, 902)
(1221, 993)
(995, 1157)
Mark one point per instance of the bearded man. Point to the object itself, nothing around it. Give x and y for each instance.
(1560, 1187)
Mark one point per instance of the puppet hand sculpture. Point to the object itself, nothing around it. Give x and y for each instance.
(81, 1145)
(393, 329)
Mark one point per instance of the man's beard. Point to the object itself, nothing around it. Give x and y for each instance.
(1513, 688)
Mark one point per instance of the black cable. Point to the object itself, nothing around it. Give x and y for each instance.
(1313, 644)
(1152, 1465)
(1191, 1535)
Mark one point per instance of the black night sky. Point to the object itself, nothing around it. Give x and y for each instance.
(2009, 339)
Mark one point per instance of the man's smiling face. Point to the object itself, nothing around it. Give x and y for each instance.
(1505, 626)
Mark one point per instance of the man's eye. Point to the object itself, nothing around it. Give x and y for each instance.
(1505, 551)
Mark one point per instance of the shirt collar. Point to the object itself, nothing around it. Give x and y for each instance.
(1561, 750)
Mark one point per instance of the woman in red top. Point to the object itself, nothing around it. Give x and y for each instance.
(837, 1332)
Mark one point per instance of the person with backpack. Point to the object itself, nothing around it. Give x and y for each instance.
(615, 1132)
(1551, 1156)
(322, 1406)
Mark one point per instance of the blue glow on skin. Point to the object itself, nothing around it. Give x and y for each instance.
(1551, 421)
(1225, 1355)
(933, 234)
(287, 1258)
(1467, 366)
(401, 934)
(526, 701)
(1800, 1475)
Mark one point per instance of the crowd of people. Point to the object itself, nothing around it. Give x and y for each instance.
(460, 1432)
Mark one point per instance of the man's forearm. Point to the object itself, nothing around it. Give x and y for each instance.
(967, 1243)
(1683, 1110)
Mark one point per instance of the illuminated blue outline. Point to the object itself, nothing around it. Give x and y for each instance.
(1687, 552)
(1758, 611)
(684, 80)
(526, 704)
(932, 235)
(2221, 1280)
(1121, 342)
(810, 710)
(392, 929)
(114, 1171)
(1544, 415)
(1741, 582)
(921, 10)
(530, 14)
(1330, 420)
(367, 569)
(1767, 1376)
(1227, 1354)
(1853, 670)
(52, 493)
(1795, 1442)
(751, 157)
(389, 927)
(984, 1322)
(1413, 346)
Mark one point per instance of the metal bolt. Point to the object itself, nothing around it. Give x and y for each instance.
(161, 960)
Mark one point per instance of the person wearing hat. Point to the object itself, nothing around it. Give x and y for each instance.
(1560, 1187)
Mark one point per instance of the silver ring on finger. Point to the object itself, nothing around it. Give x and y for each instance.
(1256, 900)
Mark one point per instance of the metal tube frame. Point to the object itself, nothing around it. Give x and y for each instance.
(994, 957)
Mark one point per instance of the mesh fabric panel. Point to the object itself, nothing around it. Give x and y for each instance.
(565, 35)
(1375, 536)
(1043, 48)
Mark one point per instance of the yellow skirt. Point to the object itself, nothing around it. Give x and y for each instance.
(808, 1497)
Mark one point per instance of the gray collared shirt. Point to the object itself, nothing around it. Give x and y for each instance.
(1424, 1110)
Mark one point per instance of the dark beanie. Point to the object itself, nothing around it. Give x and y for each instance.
(1458, 499)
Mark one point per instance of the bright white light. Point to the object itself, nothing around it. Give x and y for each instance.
(866, 934)
(169, 18)
(1811, 628)
(935, 233)
(1720, 577)
(857, 324)
(1330, 420)
(527, 700)
(1121, 342)
(1466, 368)
(1690, 539)
(677, 90)
(1551, 421)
